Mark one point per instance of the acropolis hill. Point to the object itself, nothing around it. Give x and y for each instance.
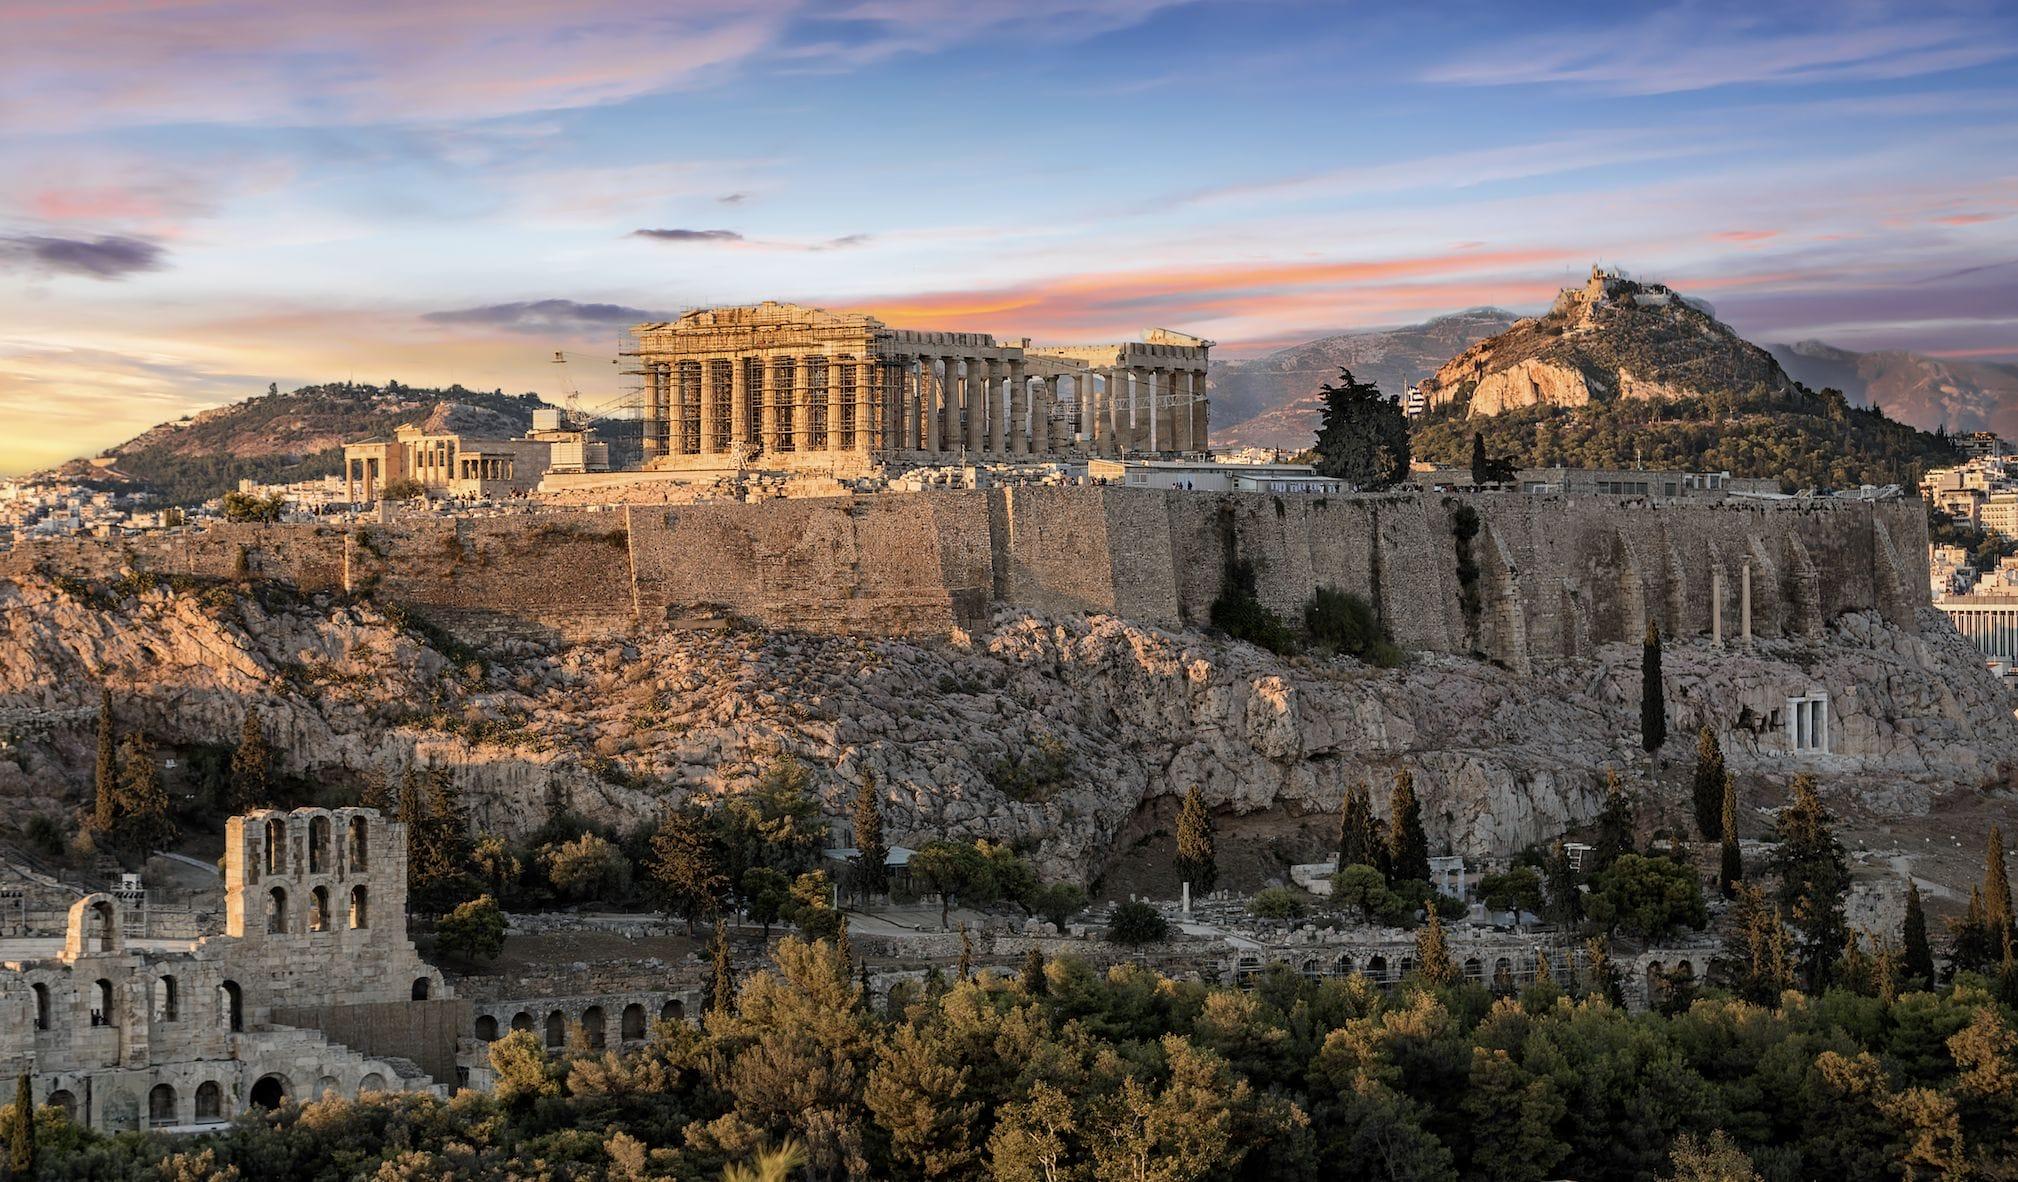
(1027, 664)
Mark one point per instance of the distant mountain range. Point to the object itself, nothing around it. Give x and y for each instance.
(1271, 401)
(1927, 392)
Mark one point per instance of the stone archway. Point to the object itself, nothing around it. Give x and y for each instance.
(270, 1091)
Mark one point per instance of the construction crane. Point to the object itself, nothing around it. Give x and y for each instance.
(574, 395)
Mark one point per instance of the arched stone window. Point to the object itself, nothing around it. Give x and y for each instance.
(328, 1086)
(167, 1003)
(1502, 974)
(318, 845)
(592, 1027)
(61, 1098)
(673, 1011)
(359, 845)
(557, 1030)
(276, 846)
(633, 1022)
(209, 1102)
(230, 1006)
(1474, 969)
(41, 1006)
(486, 1028)
(276, 910)
(1376, 967)
(358, 907)
(372, 1082)
(108, 925)
(421, 987)
(318, 909)
(161, 1106)
(522, 1021)
(101, 1003)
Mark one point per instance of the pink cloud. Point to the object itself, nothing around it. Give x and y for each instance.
(1743, 235)
(1970, 219)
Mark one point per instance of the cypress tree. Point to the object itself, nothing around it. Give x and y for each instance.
(1917, 958)
(1407, 845)
(1197, 862)
(1973, 944)
(1359, 840)
(1565, 901)
(871, 873)
(722, 993)
(1615, 826)
(1707, 788)
(1996, 889)
(1814, 877)
(251, 767)
(1432, 953)
(1480, 466)
(1731, 870)
(1035, 982)
(143, 824)
(105, 804)
(21, 1130)
(1653, 698)
(1602, 974)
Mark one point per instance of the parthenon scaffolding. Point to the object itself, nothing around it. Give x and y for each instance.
(780, 380)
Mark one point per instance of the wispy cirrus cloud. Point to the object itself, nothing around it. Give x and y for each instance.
(736, 238)
(108, 257)
(1701, 46)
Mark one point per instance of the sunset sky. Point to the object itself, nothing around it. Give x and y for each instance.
(201, 197)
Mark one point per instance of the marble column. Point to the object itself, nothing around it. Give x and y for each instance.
(975, 388)
(740, 396)
(838, 370)
(1717, 606)
(929, 396)
(1180, 412)
(1745, 602)
(949, 393)
(1200, 411)
(1019, 410)
(1040, 418)
(802, 403)
(707, 443)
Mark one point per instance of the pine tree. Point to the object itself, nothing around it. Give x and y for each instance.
(1035, 982)
(251, 767)
(1996, 889)
(105, 804)
(966, 967)
(1197, 863)
(872, 875)
(685, 869)
(376, 792)
(1407, 845)
(722, 994)
(1432, 954)
(1615, 826)
(1653, 697)
(1362, 436)
(21, 1131)
(1973, 947)
(1707, 788)
(1814, 877)
(1359, 839)
(1917, 960)
(1731, 863)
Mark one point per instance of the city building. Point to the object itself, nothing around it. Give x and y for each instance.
(1208, 476)
(794, 384)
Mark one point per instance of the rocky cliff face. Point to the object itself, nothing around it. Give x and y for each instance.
(1928, 392)
(1052, 731)
(1612, 338)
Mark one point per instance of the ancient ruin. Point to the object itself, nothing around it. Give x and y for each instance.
(724, 384)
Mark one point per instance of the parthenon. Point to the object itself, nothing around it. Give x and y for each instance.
(781, 380)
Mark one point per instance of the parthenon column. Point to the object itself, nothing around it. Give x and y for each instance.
(975, 389)
(949, 390)
(740, 395)
(707, 447)
(1040, 417)
(1745, 602)
(1180, 410)
(652, 442)
(802, 403)
(1201, 418)
(928, 403)
(1019, 410)
(837, 370)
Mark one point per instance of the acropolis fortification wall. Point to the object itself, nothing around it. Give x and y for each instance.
(1518, 578)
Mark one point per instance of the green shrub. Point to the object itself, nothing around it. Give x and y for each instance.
(1342, 622)
(1137, 923)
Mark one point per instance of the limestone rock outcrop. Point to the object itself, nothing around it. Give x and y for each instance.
(1052, 731)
